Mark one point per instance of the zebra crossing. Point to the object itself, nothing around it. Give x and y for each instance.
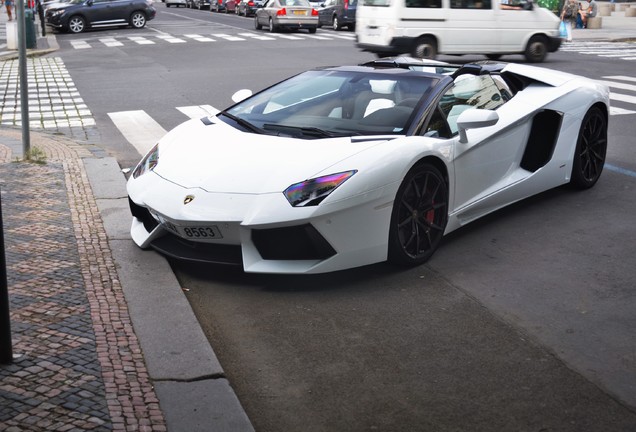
(621, 50)
(158, 39)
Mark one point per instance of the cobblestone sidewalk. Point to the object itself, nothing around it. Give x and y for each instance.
(80, 366)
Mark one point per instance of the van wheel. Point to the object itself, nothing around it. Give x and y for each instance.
(425, 48)
(493, 56)
(537, 49)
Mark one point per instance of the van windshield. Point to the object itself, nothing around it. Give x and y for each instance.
(376, 2)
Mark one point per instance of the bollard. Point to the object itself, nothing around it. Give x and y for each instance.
(29, 26)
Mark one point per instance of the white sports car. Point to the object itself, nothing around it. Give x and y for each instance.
(346, 166)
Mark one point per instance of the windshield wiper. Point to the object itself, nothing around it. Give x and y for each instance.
(244, 123)
(304, 131)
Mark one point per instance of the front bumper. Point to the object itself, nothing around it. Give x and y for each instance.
(262, 233)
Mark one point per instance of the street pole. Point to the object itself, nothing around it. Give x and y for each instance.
(24, 85)
(6, 350)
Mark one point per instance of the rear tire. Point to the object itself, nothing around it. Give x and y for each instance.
(272, 27)
(419, 216)
(493, 56)
(138, 20)
(591, 148)
(257, 26)
(425, 48)
(336, 23)
(536, 50)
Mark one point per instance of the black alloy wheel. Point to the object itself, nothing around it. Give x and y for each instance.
(591, 147)
(419, 216)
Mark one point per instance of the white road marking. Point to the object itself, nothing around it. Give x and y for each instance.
(141, 40)
(141, 130)
(111, 42)
(227, 37)
(80, 44)
(199, 38)
(170, 38)
(198, 111)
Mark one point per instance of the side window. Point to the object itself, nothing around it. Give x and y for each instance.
(437, 126)
(423, 3)
(471, 4)
(469, 92)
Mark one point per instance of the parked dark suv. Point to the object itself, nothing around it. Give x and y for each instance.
(338, 13)
(78, 15)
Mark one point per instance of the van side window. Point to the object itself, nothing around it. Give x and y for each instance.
(469, 92)
(423, 3)
(471, 4)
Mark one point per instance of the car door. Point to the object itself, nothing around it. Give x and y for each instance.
(470, 29)
(98, 11)
(262, 14)
(325, 12)
(489, 160)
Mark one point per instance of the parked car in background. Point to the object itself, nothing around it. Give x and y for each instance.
(200, 4)
(177, 3)
(338, 13)
(76, 16)
(231, 6)
(286, 14)
(249, 7)
(217, 6)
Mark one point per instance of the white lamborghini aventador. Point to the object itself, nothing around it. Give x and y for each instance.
(346, 166)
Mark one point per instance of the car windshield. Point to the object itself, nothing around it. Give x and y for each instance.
(328, 103)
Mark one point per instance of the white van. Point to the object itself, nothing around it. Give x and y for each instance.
(425, 28)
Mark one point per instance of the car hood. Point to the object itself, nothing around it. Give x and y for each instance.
(58, 6)
(219, 158)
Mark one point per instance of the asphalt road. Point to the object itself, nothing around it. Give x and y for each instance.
(522, 321)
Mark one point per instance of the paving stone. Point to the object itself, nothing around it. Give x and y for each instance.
(69, 319)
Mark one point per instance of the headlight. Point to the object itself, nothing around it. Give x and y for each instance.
(148, 163)
(57, 13)
(312, 192)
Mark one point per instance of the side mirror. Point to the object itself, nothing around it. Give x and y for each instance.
(89, 2)
(475, 119)
(241, 95)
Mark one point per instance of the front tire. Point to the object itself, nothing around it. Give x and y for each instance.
(138, 20)
(591, 147)
(419, 216)
(425, 48)
(536, 50)
(257, 25)
(76, 24)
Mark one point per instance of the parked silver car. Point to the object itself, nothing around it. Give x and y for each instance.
(286, 14)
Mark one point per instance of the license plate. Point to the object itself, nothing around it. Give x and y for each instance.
(209, 232)
(299, 12)
(199, 232)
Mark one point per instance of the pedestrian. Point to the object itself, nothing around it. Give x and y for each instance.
(40, 8)
(568, 15)
(8, 4)
(592, 11)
